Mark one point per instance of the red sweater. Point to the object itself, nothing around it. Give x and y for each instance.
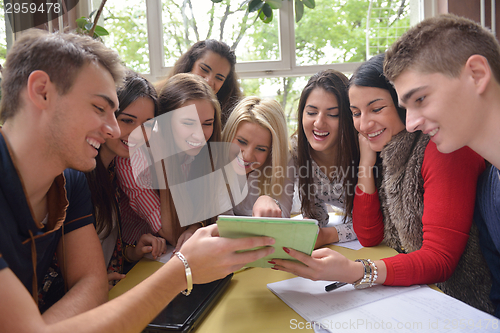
(449, 196)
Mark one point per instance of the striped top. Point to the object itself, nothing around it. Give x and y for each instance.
(140, 206)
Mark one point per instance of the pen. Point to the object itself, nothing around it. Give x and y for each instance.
(335, 285)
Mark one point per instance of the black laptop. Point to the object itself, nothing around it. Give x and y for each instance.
(184, 313)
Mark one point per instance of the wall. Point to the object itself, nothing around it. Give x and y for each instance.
(472, 10)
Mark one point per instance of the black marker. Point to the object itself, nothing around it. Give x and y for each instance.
(335, 285)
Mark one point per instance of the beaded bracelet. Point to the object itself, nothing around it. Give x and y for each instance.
(189, 277)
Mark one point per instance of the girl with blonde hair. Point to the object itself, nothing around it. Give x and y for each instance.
(258, 128)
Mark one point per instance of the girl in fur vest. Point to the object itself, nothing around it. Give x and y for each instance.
(416, 199)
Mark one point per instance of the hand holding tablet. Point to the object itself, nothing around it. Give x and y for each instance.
(291, 233)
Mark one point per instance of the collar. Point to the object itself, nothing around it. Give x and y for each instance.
(15, 194)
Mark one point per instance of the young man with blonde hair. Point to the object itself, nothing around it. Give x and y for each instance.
(446, 71)
(59, 99)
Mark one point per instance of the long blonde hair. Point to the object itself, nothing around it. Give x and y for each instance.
(268, 114)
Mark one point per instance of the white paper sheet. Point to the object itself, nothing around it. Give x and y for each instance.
(310, 300)
(381, 309)
(419, 310)
(164, 257)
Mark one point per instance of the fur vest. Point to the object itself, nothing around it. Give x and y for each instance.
(401, 191)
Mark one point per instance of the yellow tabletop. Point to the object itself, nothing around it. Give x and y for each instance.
(247, 305)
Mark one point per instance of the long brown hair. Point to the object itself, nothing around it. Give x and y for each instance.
(347, 156)
(177, 91)
(230, 92)
(102, 187)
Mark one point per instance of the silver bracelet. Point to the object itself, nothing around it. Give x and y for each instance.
(189, 277)
(369, 276)
(278, 203)
(366, 280)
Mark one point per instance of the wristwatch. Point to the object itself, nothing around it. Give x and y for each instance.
(364, 282)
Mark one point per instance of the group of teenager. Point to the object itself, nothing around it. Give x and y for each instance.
(400, 147)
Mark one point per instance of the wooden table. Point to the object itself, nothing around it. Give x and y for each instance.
(247, 305)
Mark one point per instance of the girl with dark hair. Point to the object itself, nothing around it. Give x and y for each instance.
(421, 204)
(138, 103)
(215, 62)
(325, 153)
(186, 146)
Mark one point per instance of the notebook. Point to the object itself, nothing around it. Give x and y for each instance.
(299, 235)
(379, 309)
(184, 313)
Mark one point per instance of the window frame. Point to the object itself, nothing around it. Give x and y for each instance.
(285, 67)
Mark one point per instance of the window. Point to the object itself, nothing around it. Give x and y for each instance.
(332, 33)
(186, 22)
(275, 59)
(126, 22)
(285, 90)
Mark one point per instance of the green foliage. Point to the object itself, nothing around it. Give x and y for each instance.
(266, 13)
(265, 8)
(228, 21)
(255, 5)
(85, 24)
(287, 93)
(275, 4)
(334, 32)
(309, 3)
(299, 10)
(3, 41)
(128, 35)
